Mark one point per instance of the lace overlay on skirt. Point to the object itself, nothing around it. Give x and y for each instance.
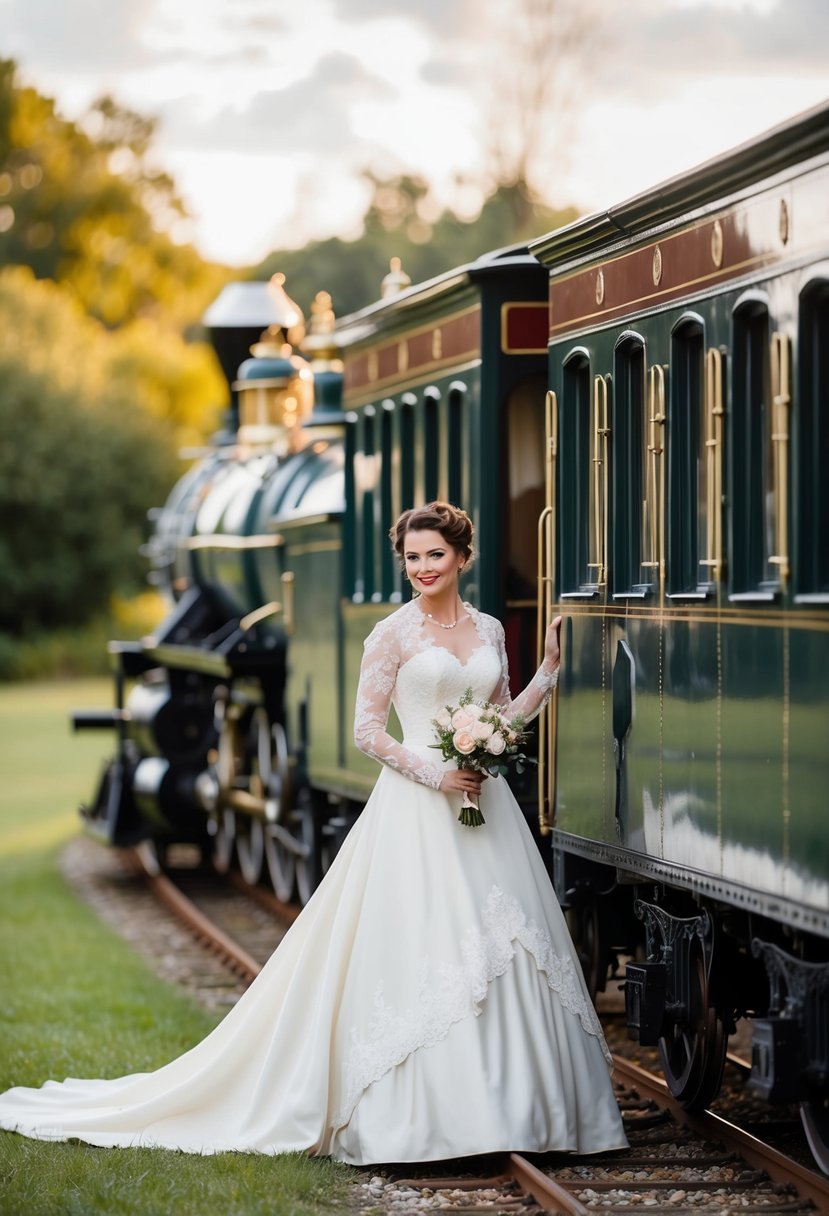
(455, 992)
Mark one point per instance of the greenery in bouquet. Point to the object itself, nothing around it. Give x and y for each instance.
(478, 735)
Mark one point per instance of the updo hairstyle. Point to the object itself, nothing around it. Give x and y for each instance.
(452, 523)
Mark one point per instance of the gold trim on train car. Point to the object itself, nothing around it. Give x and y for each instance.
(599, 481)
(781, 400)
(509, 306)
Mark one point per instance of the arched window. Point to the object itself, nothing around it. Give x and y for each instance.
(387, 563)
(688, 490)
(366, 495)
(431, 444)
(408, 403)
(812, 483)
(575, 476)
(630, 458)
(455, 404)
(758, 559)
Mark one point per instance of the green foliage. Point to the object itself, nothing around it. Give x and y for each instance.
(398, 224)
(80, 462)
(79, 203)
(67, 653)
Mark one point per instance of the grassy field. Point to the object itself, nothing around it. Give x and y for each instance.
(75, 1001)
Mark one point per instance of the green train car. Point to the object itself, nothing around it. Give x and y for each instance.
(634, 413)
(686, 778)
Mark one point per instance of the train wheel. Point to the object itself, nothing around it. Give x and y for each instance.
(281, 860)
(223, 831)
(308, 859)
(693, 1051)
(250, 848)
(815, 1118)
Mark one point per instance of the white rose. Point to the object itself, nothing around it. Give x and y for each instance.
(443, 717)
(473, 709)
(464, 742)
(482, 730)
(495, 744)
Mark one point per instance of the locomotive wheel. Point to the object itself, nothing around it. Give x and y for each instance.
(693, 1051)
(815, 1119)
(281, 861)
(224, 837)
(307, 835)
(250, 848)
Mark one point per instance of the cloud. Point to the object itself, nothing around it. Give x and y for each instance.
(443, 17)
(660, 42)
(82, 35)
(311, 115)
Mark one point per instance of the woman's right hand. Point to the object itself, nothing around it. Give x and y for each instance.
(462, 780)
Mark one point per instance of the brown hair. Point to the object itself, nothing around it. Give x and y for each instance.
(452, 523)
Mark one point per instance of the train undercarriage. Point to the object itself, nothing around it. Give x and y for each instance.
(692, 968)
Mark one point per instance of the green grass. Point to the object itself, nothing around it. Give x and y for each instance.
(75, 1001)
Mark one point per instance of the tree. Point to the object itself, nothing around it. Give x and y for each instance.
(81, 461)
(532, 63)
(81, 204)
(394, 225)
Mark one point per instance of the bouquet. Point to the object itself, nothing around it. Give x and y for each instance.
(477, 735)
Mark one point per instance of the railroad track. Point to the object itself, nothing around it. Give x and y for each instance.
(677, 1162)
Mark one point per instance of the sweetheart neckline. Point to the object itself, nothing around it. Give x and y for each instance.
(437, 646)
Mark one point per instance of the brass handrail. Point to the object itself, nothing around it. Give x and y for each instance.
(288, 617)
(544, 725)
(546, 565)
(220, 540)
(260, 614)
(601, 430)
(714, 414)
(653, 514)
(781, 400)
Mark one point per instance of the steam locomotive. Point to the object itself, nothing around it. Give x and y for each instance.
(633, 410)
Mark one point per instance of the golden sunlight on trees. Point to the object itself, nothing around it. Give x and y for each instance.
(80, 463)
(80, 204)
(99, 387)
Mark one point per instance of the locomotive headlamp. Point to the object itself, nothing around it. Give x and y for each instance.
(275, 387)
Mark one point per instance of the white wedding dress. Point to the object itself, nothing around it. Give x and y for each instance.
(426, 1004)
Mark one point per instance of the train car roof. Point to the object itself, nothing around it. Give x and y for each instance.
(739, 169)
(362, 324)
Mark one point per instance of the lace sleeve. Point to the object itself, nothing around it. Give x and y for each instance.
(378, 673)
(535, 696)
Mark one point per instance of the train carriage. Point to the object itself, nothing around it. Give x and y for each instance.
(441, 382)
(668, 501)
(686, 780)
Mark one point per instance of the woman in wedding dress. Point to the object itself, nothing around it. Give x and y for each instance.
(427, 1003)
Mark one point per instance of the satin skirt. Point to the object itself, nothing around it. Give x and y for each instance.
(426, 1004)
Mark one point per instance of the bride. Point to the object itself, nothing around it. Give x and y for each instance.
(427, 1003)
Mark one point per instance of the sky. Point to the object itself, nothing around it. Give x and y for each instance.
(270, 112)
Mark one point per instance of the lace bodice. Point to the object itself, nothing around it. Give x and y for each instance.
(403, 665)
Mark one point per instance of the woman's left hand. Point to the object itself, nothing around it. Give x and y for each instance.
(552, 646)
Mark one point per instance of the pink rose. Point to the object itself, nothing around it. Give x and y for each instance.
(464, 742)
(512, 736)
(461, 720)
(482, 730)
(443, 717)
(496, 744)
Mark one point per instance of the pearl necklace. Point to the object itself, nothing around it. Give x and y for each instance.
(440, 624)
